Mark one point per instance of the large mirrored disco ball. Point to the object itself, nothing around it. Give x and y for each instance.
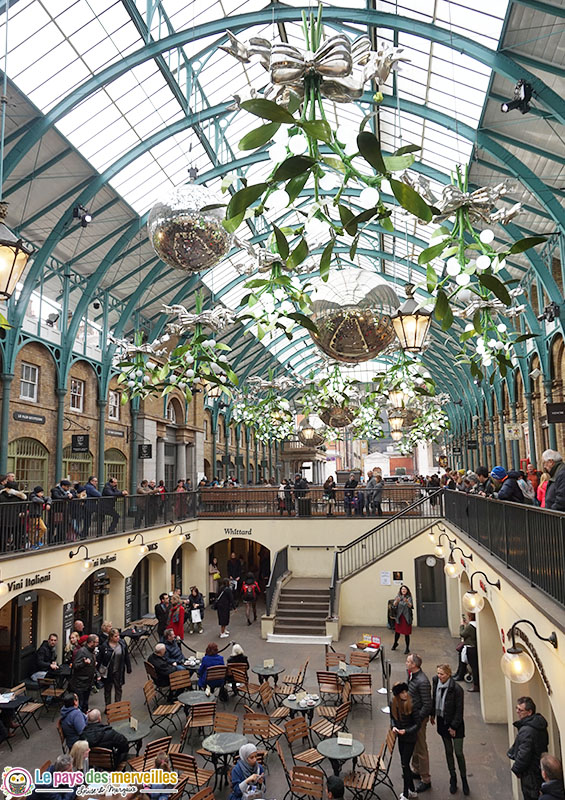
(338, 417)
(311, 431)
(184, 235)
(352, 312)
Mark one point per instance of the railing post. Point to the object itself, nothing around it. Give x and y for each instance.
(528, 547)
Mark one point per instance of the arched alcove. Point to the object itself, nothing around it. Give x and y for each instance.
(493, 704)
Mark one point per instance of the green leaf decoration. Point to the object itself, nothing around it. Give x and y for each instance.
(295, 185)
(430, 253)
(524, 336)
(370, 148)
(295, 165)
(259, 136)
(431, 278)
(477, 321)
(303, 320)
(266, 109)
(282, 244)
(496, 286)
(353, 248)
(398, 163)
(525, 244)
(256, 283)
(411, 200)
(335, 163)
(298, 254)
(231, 225)
(241, 200)
(318, 129)
(364, 216)
(443, 311)
(347, 219)
(408, 148)
(386, 223)
(326, 260)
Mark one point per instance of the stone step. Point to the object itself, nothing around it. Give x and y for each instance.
(299, 628)
(303, 620)
(305, 592)
(303, 613)
(315, 605)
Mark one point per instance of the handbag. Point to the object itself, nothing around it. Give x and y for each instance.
(459, 647)
(216, 576)
(103, 671)
(195, 615)
(464, 655)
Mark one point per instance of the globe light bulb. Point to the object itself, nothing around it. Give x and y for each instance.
(483, 262)
(501, 328)
(297, 144)
(463, 279)
(3, 588)
(517, 665)
(143, 549)
(431, 537)
(452, 569)
(278, 200)
(369, 197)
(87, 564)
(486, 236)
(453, 267)
(328, 182)
(473, 602)
(277, 152)
(439, 551)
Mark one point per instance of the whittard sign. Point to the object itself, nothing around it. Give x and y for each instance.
(237, 532)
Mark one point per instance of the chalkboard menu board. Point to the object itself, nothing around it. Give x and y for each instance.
(128, 601)
(68, 621)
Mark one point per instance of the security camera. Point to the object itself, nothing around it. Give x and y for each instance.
(96, 305)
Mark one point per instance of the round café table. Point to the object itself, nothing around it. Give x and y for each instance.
(60, 675)
(221, 746)
(350, 669)
(134, 737)
(265, 673)
(337, 754)
(194, 698)
(294, 706)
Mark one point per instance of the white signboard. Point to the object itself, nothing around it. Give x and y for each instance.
(386, 578)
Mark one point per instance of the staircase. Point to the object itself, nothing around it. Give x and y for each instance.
(303, 607)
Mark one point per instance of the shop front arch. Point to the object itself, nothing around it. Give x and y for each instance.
(254, 556)
(148, 581)
(28, 459)
(115, 466)
(179, 567)
(491, 678)
(77, 467)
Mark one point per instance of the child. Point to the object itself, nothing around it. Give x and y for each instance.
(37, 526)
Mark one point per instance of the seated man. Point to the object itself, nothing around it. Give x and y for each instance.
(174, 654)
(158, 660)
(46, 657)
(73, 720)
(99, 735)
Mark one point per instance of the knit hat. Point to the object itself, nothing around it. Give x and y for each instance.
(499, 473)
(80, 488)
(37, 489)
(398, 688)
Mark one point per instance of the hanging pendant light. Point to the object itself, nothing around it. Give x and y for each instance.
(516, 663)
(411, 323)
(395, 420)
(14, 255)
(396, 436)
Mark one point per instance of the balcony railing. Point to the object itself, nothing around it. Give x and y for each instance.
(529, 540)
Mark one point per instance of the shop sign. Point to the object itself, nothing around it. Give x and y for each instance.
(512, 431)
(237, 532)
(28, 597)
(145, 451)
(80, 443)
(118, 434)
(239, 461)
(488, 439)
(472, 444)
(26, 583)
(101, 560)
(555, 412)
(456, 451)
(22, 416)
(128, 600)
(68, 620)
(225, 460)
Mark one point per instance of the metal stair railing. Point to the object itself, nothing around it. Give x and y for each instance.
(280, 566)
(370, 546)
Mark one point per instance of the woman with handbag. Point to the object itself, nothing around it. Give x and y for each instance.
(196, 608)
(213, 578)
(113, 661)
(176, 616)
(403, 604)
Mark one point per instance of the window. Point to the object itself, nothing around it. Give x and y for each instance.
(77, 395)
(27, 458)
(115, 466)
(114, 401)
(206, 429)
(77, 467)
(29, 382)
(171, 413)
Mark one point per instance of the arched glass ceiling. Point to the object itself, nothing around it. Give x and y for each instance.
(109, 98)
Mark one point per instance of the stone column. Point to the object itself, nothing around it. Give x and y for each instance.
(180, 461)
(514, 444)
(160, 460)
(61, 394)
(503, 456)
(101, 434)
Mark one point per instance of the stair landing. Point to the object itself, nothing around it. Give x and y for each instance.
(303, 607)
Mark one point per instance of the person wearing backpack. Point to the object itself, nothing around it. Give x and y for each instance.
(249, 592)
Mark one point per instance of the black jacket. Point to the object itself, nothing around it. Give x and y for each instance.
(555, 495)
(234, 568)
(162, 668)
(44, 656)
(421, 694)
(405, 722)
(552, 790)
(510, 490)
(452, 709)
(530, 742)
(99, 735)
(105, 658)
(350, 484)
(162, 614)
(83, 674)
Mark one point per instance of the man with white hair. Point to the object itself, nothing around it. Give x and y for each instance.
(97, 734)
(162, 667)
(555, 495)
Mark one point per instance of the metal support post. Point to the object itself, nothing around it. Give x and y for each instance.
(7, 379)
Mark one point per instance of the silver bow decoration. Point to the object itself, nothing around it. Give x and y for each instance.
(343, 67)
(480, 203)
(257, 384)
(216, 319)
(478, 304)
(127, 349)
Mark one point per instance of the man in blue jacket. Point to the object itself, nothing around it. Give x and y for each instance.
(510, 489)
(73, 720)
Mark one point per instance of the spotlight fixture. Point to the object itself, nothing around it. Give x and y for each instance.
(411, 323)
(535, 373)
(522, 95)
(454, 568)
(181, 537)
(143, 548)
(80, 213)
(550, 313)
(517, 664)
(396, 436)
(395, 420)
(96, 305)
(52, 320)
(440, 549)
(472, 601)
(88, 562)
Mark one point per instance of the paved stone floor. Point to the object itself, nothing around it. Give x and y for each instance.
(485, 745)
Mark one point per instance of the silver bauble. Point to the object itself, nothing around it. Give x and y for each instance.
(184, 235)
(353, 315)
(338, 417)
(311, 432)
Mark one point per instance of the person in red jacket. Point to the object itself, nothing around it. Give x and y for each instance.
(249, 592)
(176, 616)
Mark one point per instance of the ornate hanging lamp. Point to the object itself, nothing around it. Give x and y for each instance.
(411, 323)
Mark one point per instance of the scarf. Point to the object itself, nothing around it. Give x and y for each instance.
(441, 692)
(174, 614)
(244, 752)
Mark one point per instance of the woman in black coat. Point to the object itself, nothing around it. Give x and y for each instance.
(447, 711)
(224, 603)
(113, 661)
(404, 723)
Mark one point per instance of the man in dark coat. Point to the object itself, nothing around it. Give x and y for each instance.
(46, 657)
(510, 490)
(173, 654)
(447, 712)
(555, 495)
(99, 735)
(112, 492)
(84, 669)
(163, 669)
(162, 614)
(530, 742)
(552, 774)
(92, 505)
(420, 691)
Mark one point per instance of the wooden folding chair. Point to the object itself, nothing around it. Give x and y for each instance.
(185, 765)
(59, 727)
(267, 696)
(27, 711)
(360, 784)
(296, 730)
(202, 716)
(329, 712)
(204, 794)
(145, 761)
(380, 765)
(101, 758)
(180, 681)
(117, 711)
(44, 767)
(223, 723)
(362, 689)
(180, 789)
(262, 729)
(162, 691)
(306, 782)
(360, 659)
(292, 682)
(48, 691)
(159, 712)
(326, 728)
(215, 674)
(246, 690)
(333, 659)
(329, 686)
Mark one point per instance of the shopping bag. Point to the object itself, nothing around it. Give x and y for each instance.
(195, 615)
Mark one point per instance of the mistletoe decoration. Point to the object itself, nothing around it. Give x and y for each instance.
(271, 417)
(430, 423)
